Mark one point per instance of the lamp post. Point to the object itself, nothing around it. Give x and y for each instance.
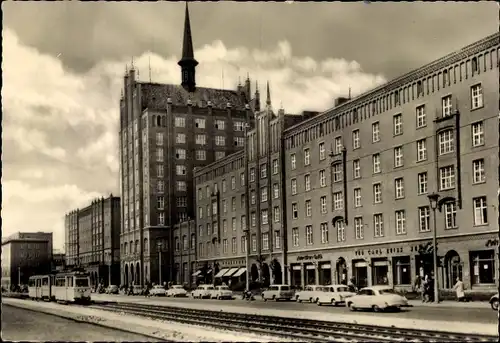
(159, 246)
(433, 199)
(247, 207)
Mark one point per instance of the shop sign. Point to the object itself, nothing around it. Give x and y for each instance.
(310, 257)
(491, 243)
(379, 251)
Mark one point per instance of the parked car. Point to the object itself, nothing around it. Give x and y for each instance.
(112, 289)
(494, 302)
(176, 291)
(157, 291)
(278, 292)
(310, 293)
(203, 291)
(137, 290)
(222, 292)
(334, 294)
(377, 298)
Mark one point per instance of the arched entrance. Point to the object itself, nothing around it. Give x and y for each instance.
(341, 271)
(132, 275)
(277, 272)
(266, 275)
(137, 274)
(254, 273)
(125, 275)
(452, 268)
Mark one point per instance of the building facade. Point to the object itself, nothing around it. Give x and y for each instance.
(358, 178)
(93, 238)
(25, 254)
(165, 132)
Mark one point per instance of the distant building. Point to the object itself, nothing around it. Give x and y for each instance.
(58, 261)
(93, 240)
(23, 255)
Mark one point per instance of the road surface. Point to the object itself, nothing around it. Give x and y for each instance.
(25, 325)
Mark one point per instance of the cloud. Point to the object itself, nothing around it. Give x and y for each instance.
(61, 127)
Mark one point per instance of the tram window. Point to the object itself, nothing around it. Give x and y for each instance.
(81, 282)
(70, 281)
(45, 281)
(31, 283)
(60, 282)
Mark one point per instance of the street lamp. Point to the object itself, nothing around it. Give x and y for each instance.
(247, 206)
(159, 246)
(433, 199)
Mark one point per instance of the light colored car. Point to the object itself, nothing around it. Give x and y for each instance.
(334, 294)
(157, 291)
(310, 293)
(112, 289)
(176, 291)
(494, 302)
(377, 298)
(278, 292)
(222, 292)
(203, 291)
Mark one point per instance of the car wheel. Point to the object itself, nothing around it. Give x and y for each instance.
(310, 300)
(494, 304)
(375, 308)
(319, 303)
(351, 307)
(334, 303)
(297, 299)
(317, 299)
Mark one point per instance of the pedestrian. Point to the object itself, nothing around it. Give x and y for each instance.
(352, 285)
(459, 289)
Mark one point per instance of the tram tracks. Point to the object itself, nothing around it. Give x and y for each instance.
(290, 328)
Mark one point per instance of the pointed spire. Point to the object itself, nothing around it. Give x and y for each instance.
(188, 63)
(256, 87)
(132, 67)
(187, 47)
(268, 100)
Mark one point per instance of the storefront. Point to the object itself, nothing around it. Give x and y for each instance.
(296, 275)
(360, 273)
(325, 273)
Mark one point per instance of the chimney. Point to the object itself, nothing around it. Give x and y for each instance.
(340, 100)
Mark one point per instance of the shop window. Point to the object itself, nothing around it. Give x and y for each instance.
(401, 270)
(483, 267)
(325, 274)
(453, 268)
(360, 274)
(310, 278)
(380, 270)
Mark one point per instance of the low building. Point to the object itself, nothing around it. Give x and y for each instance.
(58, 261)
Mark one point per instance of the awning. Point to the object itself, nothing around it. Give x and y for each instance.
(240, 272)
(360, 264)
(209, 271)
(296, 268)
(310, 266)
(221, 272)
(196, 273)
(230, 272)
(380, 263)
(326, 266)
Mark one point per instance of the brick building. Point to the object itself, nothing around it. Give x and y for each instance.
(358, 178)
(25, 254)
(92, 240)
(166, 131)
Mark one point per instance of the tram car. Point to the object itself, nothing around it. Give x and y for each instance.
(71, 287)
(39, 287)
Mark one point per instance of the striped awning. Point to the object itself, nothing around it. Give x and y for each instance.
(240, 272)
(221, 272)
(230, 272)
(196, 273)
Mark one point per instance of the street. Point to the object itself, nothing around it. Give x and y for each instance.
(25, 325)
(452, 314)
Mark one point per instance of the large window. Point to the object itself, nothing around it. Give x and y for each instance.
(480, 211)
(483, 267)
(401, 270)
(446, 142)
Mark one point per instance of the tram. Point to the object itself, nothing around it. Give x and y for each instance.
(68, 287)
(39, 287)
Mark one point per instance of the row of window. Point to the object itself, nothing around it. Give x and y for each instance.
(200, 123)
(209, 249)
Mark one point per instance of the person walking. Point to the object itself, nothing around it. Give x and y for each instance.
(459, 290)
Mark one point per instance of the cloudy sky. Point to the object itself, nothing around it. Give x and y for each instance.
(63, 64)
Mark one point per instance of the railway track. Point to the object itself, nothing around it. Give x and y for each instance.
(290, 328)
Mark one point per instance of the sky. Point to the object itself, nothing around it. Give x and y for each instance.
(63, 67)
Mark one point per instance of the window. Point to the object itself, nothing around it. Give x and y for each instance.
(376, 163)
(242, 179)
(397, 123)
(339, 225)
(209, 229)
(422, 183)
(181, 186)
(338, 201)
(219, 155)
(159, 170)
(356, 143)
(160, 202)
(402, 270)
(180, 138)
(476, 96)
(180, 122)
(295, 236)
(483, 267)
(252, 197)
(309, 235)
(308, 208)
(295, 211)
(446, 142)
(401, 222)
(233, 182)
(233, 224)
(307, 182)
(161, 218)
(243, 201)
(265, 241)
(377, 193)
(224, 186)
(277, 239)
(322, 154)
(224, 206)
(159, 138)
(424, 218)
(477, 134)
(421, 116)
(238, 126)
(447, 177)
(322, 202)
(234, 247)
(276, 191)
(243, 222)
(338, 145)
(356, 169)
(265, 217)
(293, 161)
(480, 211)
(378, 225)
(199, 123)
(324, 232)
(294, 186)
(263, 171)
(160, 186)
(398, 157)
(421, 150)
(180, 170)
(322, 178)
(180, 154)
(450, 215)
(478, 171)
(201, 155)
(159, 154)
(275, 167)
(359, 228)
(220, 140)
(252, 174)
(220, 124)
(224, 246)
(337, 172)
(446, 106)
(239, 141)
(253, 219)
(276, 212)
(307, 157)
(244, 244)
(357, 197)
(399, 187)
(376, 132)
(200, 139)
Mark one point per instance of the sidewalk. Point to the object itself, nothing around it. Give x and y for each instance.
(448, 303)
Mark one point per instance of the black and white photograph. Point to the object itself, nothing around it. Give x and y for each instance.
(237, 171)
